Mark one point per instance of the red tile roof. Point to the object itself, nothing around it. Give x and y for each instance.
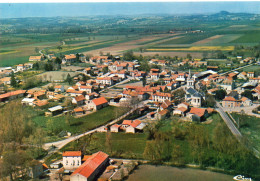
(78, 109)
(99, 101)
(13, 93)
(92, 163)
(163, 112)
(71, 153)
(229, 98)
(80, 98)
(198, 111)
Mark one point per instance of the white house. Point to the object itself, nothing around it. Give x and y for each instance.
(71, 159)
(92, 167)
(160, 97)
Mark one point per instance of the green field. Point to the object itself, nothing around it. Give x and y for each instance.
(123, 145)
(74, 125)
(250, 126)
(187, 39)
(254, 68)
(226, 39)
(249, 37)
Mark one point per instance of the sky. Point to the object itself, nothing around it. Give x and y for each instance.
(21, 10)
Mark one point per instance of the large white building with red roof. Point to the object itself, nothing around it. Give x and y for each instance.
(93, 166)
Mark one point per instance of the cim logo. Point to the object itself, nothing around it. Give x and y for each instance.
(241, 177)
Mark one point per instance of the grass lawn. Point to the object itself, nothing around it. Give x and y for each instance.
(123, 145)
(75, 125)
(254, 68)
(250, 126)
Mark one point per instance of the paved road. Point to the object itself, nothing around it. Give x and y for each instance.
(234, 130)
(228, 122)
(238, 68)
(119, 83)
(62, 143)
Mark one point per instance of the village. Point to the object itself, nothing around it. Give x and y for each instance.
(161, 92)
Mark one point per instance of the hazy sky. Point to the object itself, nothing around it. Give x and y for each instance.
(17, 10)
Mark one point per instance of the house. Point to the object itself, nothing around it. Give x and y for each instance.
(59, 88)
(69, 59)
(98, 59)
(181, 111)
(102, 129)
(231, 102)
(40, 103)
(197, 114)
(79, 100)
(245, 102)
(87, 89)
(161, 114)
(53, 111)
(28, 66)
(20, 68)
(115, 128)
(227, 84)
(35, 58)
(71, 159)
(5, 80)
(74, 93)
(194, 97)
(12, 95)
(35, 169)
(250, 74)
(92, 167)
(105, 80)
(97, 103)
(28, 101)
(78, 111)
(132, 126)
(160, 97)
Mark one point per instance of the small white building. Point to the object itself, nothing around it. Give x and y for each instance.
(28, 101)
(71, 159)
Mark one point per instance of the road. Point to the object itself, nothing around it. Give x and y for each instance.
(234, 129)
(62, 143)
(238, 68)
(228, 122)
(119, 83)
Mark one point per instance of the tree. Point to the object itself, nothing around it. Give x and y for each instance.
(129, 55)
(36, 66)
(69, 79)
(210, 101)
(57, 60)
(248, 94)
(189, 56)
(109, 142)
(59, 47)
(13, 80)
(36, 49)
(220, 94)
(144, 80)
(177, 155)
(153, 151)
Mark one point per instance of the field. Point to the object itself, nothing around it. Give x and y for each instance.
(250, 37)
(195, 48)
(154, 173)
(135, 144)
(250, 128)
(254, 68)
(74, 125)
(56, 76)
(123, 145)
